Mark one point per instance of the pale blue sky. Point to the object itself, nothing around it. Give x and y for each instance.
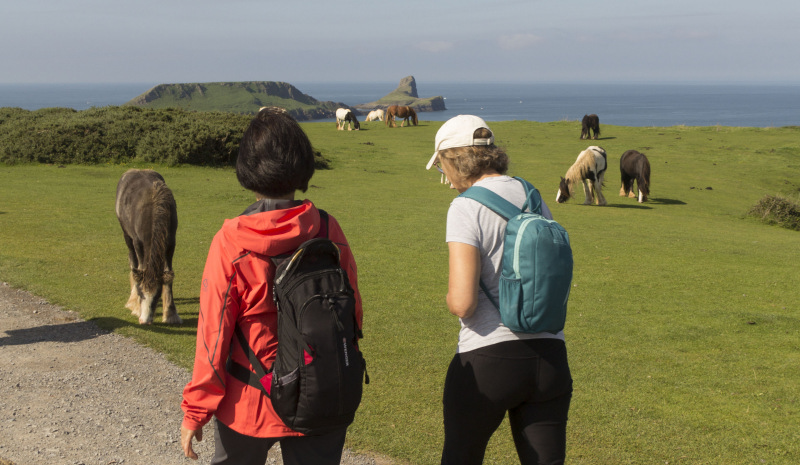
(169, 41)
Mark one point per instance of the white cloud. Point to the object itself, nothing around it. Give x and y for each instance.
(518, 41)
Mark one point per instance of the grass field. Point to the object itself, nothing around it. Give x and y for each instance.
(683, 329)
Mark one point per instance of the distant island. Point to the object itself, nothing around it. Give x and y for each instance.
(249, 97)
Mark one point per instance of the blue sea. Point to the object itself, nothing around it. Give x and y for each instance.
(755, 105)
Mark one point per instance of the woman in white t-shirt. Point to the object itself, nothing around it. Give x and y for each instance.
(494, 370)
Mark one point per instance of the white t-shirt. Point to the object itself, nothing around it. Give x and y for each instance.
(469, 222)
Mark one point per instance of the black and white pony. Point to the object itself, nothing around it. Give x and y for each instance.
(588, 169)
(346, 116)
(634, 166)
(590, 123)
(147, 213)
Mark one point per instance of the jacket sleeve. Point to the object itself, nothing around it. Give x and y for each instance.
(219, 308)
(348, 263)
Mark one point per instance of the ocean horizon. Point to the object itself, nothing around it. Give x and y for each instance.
(624, 104)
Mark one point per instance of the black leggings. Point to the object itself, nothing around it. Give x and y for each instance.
(529, 379)
(237, 449)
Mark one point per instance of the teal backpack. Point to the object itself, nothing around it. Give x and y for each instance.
(536, 269)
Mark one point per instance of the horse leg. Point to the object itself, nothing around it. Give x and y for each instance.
(598, 186)
(625, 190)
(587, 191)
(149, 301)
(133, 300)
(170, 313)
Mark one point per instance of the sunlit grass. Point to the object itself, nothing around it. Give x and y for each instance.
(682, 329)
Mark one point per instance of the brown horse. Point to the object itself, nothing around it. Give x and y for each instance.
(634, 166)
(404, 112)
(589, 124)
(147, 213)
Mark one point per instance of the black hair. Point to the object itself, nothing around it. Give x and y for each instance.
(275, 155)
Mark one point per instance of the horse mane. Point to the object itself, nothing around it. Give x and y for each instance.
(162, 202)
(578, 171)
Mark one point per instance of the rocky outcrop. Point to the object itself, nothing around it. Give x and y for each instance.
(406, 94)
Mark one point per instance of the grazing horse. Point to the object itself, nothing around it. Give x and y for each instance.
(375, 115)
(149, 218)
(588, 124)
(589, 169)
(634, 166)
(404, 112)
(346, 116)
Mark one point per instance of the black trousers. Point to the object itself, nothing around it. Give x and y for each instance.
(529, 379)
(232, 448)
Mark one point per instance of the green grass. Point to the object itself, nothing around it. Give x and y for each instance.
(683, 321)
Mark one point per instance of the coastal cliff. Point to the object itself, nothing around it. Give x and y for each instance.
(406, 94)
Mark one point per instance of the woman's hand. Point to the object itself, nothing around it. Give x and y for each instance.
(186, 440)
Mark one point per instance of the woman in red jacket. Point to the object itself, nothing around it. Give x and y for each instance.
(275, 159)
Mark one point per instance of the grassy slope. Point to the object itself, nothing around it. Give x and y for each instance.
(683, 322)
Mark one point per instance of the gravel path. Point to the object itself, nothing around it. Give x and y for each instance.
(75, 394)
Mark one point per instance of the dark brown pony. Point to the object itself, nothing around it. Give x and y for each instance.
(634, 166)
(404, 112)
(589, 124)
(148, 215)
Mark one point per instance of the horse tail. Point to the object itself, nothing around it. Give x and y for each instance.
(414, 116)
(163, 203)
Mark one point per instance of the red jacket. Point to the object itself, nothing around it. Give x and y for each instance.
(236, 289)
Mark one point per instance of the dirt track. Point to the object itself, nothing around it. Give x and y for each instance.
(74, 394)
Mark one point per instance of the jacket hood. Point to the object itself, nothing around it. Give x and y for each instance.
(273, 228)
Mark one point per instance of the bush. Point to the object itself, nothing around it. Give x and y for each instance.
(119, 134)
(778, 210)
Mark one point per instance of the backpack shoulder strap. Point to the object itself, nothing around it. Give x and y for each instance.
(534, 199)
(244, 374)
(492, 201)
(323, 224)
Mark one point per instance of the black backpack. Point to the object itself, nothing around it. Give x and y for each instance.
(315, 383)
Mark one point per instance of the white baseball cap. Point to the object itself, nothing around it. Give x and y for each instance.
(459, 131)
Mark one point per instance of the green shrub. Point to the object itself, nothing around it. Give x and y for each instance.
(777, 210)
(120, 134)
